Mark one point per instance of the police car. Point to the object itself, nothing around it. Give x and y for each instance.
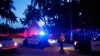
(95, 44)
(38, 41)
(88, 45)
(7, 43)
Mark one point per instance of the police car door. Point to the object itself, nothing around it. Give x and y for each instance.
(34, 40)
(95, 44)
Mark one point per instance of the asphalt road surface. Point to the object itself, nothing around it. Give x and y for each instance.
(49, 51)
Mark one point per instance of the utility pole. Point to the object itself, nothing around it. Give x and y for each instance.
(70, 17)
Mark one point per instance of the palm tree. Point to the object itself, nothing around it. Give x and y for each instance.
(6, 12)
(41, 3)
(55, 9)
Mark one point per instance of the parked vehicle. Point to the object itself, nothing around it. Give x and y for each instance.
(7, 43)
(39, 41)
(88, 45)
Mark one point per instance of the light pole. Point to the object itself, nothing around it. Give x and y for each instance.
(70, 17)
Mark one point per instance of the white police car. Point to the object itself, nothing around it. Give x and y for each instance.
(88, 45)
(36, 40)
(95, 44)
(6, 43)
(39, 41)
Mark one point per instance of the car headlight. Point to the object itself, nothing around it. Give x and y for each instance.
(75, 43)
(52, 41)
(94, 39)
(15, 44)
(0, 45)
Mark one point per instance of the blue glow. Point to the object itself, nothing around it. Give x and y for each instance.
(42, 33)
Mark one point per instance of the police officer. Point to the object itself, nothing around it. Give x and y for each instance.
(61, 41)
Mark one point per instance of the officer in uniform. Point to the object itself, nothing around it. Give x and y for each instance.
(61, 41)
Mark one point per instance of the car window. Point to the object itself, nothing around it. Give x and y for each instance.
(5, 38)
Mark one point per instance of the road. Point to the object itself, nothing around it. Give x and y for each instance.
(49, 51)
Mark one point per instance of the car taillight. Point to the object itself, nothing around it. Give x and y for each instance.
(0, 45)
(15, 44)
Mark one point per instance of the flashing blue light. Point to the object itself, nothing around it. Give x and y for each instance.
(42, 33)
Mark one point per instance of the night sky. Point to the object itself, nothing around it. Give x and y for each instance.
(20, 6)
(89, 8)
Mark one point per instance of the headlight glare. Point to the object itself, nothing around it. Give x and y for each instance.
(52, 41)
(15, 44)
(0, 45)
(75, 43)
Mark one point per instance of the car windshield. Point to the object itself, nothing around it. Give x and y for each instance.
(5, 38)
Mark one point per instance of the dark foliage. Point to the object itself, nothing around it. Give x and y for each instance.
(6, 7)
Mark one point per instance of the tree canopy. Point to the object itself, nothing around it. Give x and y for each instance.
(6, 12)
